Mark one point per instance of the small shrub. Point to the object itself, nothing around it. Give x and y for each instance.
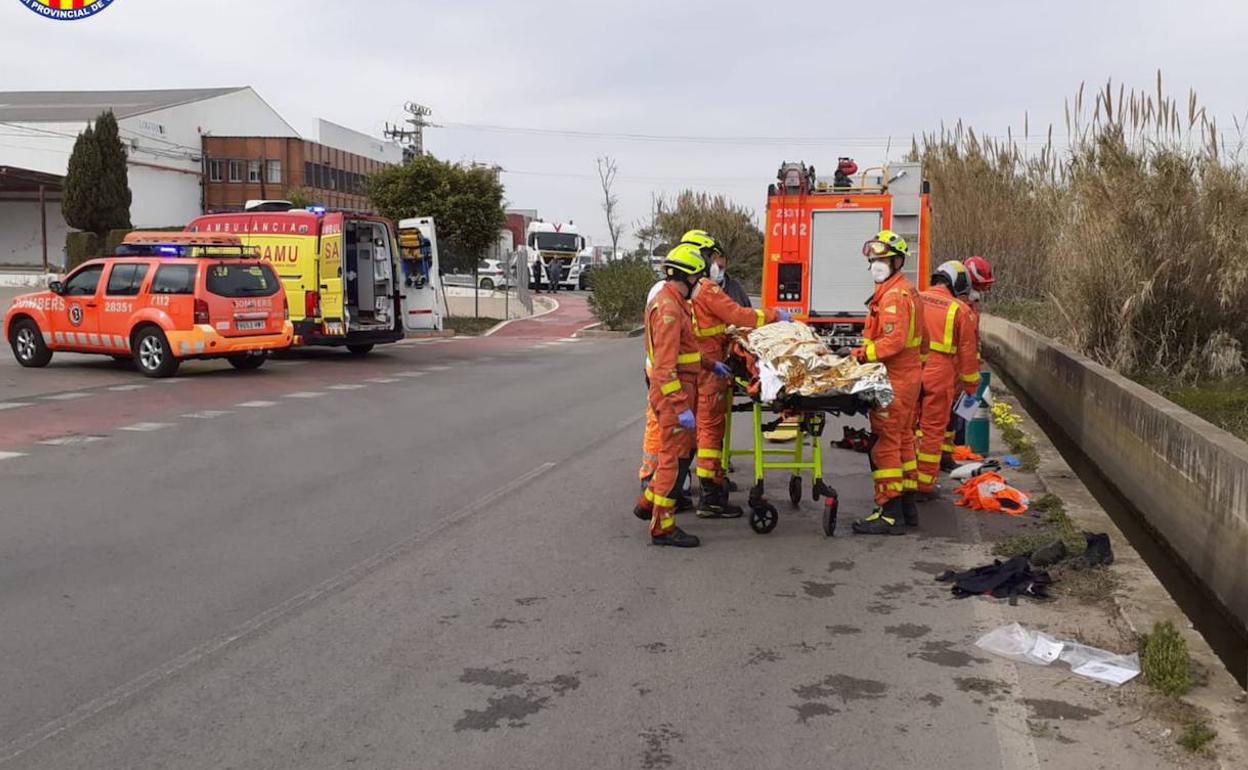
(619, 293)
(79, 247)
(1197, 736)
(1165, 661)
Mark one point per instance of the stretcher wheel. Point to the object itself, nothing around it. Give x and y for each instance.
(764, 517)
(795, 490)
(820, 489)
(831, 505)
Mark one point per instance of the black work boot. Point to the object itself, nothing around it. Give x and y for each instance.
(947, 465)
(677, 537)
(910, 509)
(882, 521)
(684, 504)
(641, 512)
(714, 503)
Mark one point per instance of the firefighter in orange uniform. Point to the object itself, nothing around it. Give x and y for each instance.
(952, 364)
(675, 365)
(713, 312)
(893, 336)
(979, 270)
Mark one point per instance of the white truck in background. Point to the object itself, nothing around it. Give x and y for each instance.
(550, 243)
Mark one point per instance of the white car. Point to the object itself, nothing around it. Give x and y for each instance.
(491, 274)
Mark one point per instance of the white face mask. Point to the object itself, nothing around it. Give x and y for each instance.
(880, 270)
(973, 296)
(717, 273)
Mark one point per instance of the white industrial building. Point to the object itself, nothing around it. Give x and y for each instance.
(162, 132)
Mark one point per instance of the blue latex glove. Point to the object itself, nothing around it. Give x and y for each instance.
(720, 368)
(783, 315)
(685, 419)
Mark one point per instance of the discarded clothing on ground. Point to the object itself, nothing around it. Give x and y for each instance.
(790, 359)
(1002, 580)
(966, 471)
(990, 492)
(1098, 552)
(963, 454)
(857, 439)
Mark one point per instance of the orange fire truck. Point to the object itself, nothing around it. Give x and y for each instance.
(812, 250)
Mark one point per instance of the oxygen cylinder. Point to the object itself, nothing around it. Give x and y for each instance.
(977, 430)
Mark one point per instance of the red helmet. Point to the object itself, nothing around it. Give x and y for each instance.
(980, 272)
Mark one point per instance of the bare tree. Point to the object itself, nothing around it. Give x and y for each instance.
(647, 230)
(610, 201)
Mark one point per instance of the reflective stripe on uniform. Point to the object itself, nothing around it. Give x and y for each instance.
(715, 453)
(868, 347)
(762, 317)
(909, 485)
(710, 331)
(689, 358)
(926, 478)
(971, 377)
(668, 388)
(914, 337)
(946, 447)
(910, 465)
(704, 473)
(887, 473)
(926, 458)
(658, 499)
(666, 523)
(947, 344)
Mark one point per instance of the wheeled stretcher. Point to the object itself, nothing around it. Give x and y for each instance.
(807, 415)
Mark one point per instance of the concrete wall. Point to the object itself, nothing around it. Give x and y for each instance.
(21, 242)
(1188, 478)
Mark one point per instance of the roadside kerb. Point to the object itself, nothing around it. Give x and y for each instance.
(595, 331)
(554, 305)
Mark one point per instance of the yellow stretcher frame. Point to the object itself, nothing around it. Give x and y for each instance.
(809, 427)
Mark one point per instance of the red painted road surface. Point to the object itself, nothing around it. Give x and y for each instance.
(571, 315)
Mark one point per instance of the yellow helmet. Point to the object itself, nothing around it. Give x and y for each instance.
(702, 239)
(886, 243)
(684, 259)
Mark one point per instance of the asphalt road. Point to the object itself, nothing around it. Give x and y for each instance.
(426, 559)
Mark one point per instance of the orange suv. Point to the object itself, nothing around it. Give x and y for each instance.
(160, 299)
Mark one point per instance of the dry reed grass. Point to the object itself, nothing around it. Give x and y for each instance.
(1135, 235)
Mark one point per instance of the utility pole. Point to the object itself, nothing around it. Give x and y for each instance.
(412, 139)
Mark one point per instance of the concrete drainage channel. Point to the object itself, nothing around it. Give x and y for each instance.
(1221, 628)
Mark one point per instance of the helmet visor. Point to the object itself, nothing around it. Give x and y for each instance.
(874, 249)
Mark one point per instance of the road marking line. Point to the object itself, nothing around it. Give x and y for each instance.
(65, 396)
(169, 381)
(207, 414)
(256, 404)
(382, 380)
(13, 405)
(439, 368)
(410, 374)
(147, 427)
(336, 584)
(304, 394)
(461, 337)
(348, 386)
(72, 440)
(122, 388)
(11, 455)
(287, 363)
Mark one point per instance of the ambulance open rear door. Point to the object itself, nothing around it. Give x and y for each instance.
(421, 306)
(329, 268)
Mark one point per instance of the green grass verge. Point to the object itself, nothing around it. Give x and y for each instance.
(1223, 402)
(466, 324)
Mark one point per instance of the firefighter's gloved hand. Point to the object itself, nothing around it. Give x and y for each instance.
(685, 419)
(783, 315)
(720, 368)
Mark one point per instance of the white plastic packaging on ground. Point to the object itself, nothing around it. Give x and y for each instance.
(1025, 645)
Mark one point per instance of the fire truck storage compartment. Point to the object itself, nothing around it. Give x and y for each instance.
(369, 270)
(906, 185)
(839, 279)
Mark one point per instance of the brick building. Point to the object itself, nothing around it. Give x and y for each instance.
(238, 169)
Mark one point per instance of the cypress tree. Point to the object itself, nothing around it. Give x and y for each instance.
(97, 190)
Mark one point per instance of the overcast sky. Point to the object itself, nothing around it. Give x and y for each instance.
(850, 75)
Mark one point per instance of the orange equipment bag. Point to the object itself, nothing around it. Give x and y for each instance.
(990, 492)
(964, 454)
